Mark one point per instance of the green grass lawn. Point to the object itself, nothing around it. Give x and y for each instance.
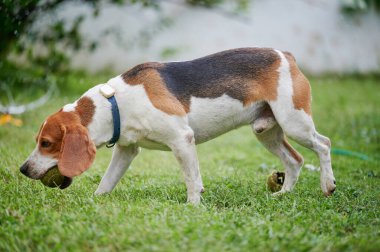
(148, 212)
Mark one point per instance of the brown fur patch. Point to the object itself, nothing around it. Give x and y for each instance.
(301, 86)
(292, 151)
(264, 87)
(158, 94)
(77, 151)
(86, 110)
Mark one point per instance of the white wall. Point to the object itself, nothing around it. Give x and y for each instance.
(315, 31)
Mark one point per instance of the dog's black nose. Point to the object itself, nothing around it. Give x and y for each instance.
(24, 168)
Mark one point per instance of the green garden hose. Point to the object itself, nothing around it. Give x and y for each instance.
(350, 154)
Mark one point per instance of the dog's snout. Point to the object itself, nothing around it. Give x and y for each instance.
(24, 168)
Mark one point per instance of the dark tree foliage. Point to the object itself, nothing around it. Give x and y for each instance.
(18, 16)
(360, 6)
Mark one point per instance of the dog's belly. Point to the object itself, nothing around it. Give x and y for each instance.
(211, 117)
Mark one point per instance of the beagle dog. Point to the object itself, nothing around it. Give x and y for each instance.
(174, 106)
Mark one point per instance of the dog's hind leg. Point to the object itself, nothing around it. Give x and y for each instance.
(301, 129)
(121, 159)
(275, 141)
(292, 111)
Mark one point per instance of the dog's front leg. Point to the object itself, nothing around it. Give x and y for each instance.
(121, 159)
(184, 150)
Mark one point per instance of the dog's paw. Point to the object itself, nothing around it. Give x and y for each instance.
(194, 199)
(328, 186)
(202, 189)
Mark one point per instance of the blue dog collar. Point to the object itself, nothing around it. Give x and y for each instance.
(109, 93)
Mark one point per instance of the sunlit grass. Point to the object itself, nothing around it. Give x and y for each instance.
(147, 210)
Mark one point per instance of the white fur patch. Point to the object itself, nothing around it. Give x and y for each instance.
(211, 117)
(285, 89)
(70, 107)
(39, 164)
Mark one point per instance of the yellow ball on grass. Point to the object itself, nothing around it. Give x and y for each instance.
(275, 181)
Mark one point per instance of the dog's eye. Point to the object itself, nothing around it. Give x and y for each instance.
(45, 144)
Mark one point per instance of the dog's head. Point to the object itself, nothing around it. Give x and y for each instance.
(64, 142)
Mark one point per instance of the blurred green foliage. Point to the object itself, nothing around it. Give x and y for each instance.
(14, 84)
(17, 36)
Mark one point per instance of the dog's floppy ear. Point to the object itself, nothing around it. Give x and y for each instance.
(77, 151)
